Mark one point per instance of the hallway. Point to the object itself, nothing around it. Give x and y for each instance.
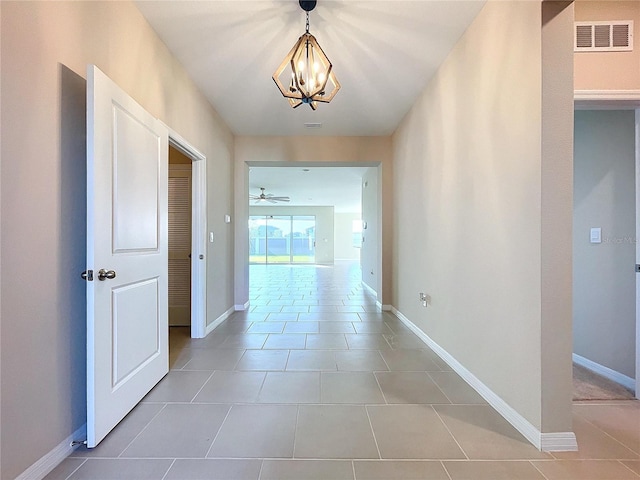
(315, 383)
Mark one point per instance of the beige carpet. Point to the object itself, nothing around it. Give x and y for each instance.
(588, 385)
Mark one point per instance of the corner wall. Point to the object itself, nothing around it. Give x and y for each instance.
(46, 47)
(469, 172)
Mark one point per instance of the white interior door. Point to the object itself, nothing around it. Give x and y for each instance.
(127, 330)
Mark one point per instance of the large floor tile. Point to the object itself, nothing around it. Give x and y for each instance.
(266, 327)
(410, 360)
(244, 340)
(412, 432)
(334, 431)
(595, 444)
(308, 360)
(484, 434)
(621, 420)
(122, 469)
(585, 470)
(360, 361)
(178, 386)
(350, 387)
(231, 387)
(367, 341)
(215, 359)
(285, 341)
(291, 387)
(179, 430)
(490, 470)
(257, 431)
(410, 387)
(263, 360)
(326, 341)
(214, 469)
(456, 389)
(65, 468)
(306, 470)
(405, 340)
(123, 434)
(405, 470)
(633, 465)
(302, 327)
(371, 327)
(337, 327)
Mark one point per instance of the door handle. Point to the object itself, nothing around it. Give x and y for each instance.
(104, 274)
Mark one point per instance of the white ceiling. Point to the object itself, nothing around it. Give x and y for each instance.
(320, 186)
(383, 53)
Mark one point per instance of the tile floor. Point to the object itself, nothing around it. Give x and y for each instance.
(315, 383)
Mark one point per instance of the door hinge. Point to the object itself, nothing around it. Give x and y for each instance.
(87, 275)
(638, 267)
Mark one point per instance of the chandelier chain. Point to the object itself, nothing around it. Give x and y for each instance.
(307, 22)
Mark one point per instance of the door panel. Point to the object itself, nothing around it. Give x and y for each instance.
(127, 330)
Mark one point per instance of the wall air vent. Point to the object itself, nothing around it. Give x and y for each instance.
(604, 36)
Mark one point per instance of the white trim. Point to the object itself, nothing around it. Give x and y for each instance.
(387, 308)
(561, 441)
(606, 372)
(370, 289)
(198, 232)
(242, 308)
(378, 305)
(51, 460)
(213, 325)
(606, 99)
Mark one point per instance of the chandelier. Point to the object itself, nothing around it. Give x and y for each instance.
(309, 74)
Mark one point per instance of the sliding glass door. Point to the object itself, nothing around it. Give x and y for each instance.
(282, 239)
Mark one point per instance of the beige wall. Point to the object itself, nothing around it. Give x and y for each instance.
(469, 208)
(324, 226)
(283, 151)
(46, 47)
(604, 318)
(370, 251)
(608, 70)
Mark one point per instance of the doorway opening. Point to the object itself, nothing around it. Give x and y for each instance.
(187, 236)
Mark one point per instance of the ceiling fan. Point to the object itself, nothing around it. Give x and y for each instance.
(267, 197)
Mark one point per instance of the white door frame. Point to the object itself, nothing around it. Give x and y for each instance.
(621, 100)
(198, 233)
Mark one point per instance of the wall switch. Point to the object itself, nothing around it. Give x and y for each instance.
(596, 235)
(210, 237)
(425, 299)
(227, 219)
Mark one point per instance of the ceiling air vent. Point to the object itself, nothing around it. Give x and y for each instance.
(604, 36)
(312, 125)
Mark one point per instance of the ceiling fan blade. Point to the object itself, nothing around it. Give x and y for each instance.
(280, 199)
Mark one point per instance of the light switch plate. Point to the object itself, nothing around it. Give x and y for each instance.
(596, 235)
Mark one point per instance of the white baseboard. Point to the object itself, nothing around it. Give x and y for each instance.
(212, 326)
(51, 460)
(606, 372)
(387, 308)
(241, 308)
(550, 442)
(369, 289)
